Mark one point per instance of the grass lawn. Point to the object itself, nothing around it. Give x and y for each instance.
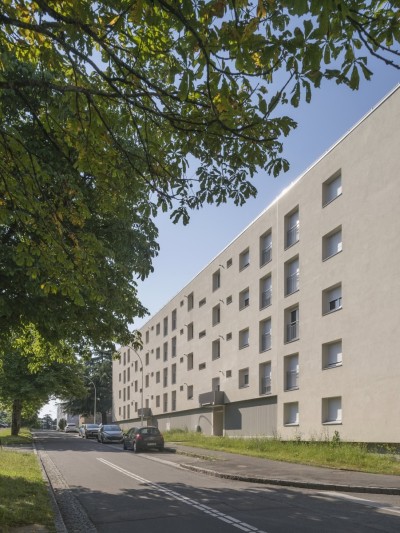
(24, 499)
(331, 454)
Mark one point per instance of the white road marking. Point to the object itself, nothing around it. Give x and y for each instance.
(364, 501)
(184, 499)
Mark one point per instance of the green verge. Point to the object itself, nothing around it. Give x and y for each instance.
(331, 454)
(24, 498)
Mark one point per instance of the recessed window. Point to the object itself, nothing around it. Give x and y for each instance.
(190, 392)
(265, 248)
(157, 378)
(165, 351)
(243, 378)
(291, 414)
(244, 298)
(157, 353)
(189, 357)
(190, 331)
(331, 189)
(216, 315)
(173, 347)
(173, 319)
(165, 377)
(146, 361)
(229, 263)
(292, 276)
(216, 280)
(165, 402)
(202, 366)
(332, 410)
(165, 328)
(265, 378)
(216, 349)
(190, 301)
(229, 336)
(173, 400)
(229, 300)
(244, 338)
(332, 299)
(147, 336)
(202, 302)
(158, 401)
(291, 369)
(332, 243)
(292, 226)
(292, 324)
(332, 354)
(229, 373)
(202, 334)
(265, 292)
(244, 259)
(158, 329)
(265, 335)
(173, 374)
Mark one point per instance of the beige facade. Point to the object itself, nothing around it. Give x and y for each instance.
(292, 329)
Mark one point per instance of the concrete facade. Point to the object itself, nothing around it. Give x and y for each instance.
(291, 331)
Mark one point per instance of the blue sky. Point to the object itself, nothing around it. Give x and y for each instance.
(185, 251)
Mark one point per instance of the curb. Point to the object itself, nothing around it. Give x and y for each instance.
(292, 483)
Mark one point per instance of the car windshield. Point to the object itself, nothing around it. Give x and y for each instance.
(111, 428)
(150, 431)
(92, 426)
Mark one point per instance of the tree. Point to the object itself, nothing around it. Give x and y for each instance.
(32, 370)
(114, 110)
(98, 379)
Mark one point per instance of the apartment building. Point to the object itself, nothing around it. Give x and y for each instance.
(292, 330)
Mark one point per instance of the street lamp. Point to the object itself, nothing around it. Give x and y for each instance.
(95, 398)
(141, 410)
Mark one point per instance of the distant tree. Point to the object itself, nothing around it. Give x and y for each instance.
(62, 423)
(111, 111)
(32, 370)
(97, 371)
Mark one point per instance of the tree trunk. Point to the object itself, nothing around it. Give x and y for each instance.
(16, 417)
(104, 418)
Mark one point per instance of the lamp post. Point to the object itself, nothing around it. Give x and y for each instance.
(95, 398)
(141, 410)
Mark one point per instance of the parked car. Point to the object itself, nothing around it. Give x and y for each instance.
(110, 433)
(3, 425)
(71, 428)
(90, 431)
(144, 438)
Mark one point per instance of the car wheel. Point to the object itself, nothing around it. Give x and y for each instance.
(161, 449)
(135, 448)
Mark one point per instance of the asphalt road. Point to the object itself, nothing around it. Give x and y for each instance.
(122, 492)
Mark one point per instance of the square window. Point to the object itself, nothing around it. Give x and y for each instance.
(229, 263)
(202, 302)
(332, 299)
(332, 354)
(229, 300)
(202, 334)
(332, 410)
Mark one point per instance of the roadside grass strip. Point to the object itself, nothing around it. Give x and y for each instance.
(24, 498)
(243, 526)
(331, 454)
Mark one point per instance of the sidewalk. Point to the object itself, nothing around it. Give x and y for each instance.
(255, 470)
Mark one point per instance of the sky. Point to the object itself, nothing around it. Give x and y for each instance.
(186, 250)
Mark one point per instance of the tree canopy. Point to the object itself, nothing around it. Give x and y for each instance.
(32, 370)
(113, 110)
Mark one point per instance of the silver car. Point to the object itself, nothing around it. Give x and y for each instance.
(110, 433)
